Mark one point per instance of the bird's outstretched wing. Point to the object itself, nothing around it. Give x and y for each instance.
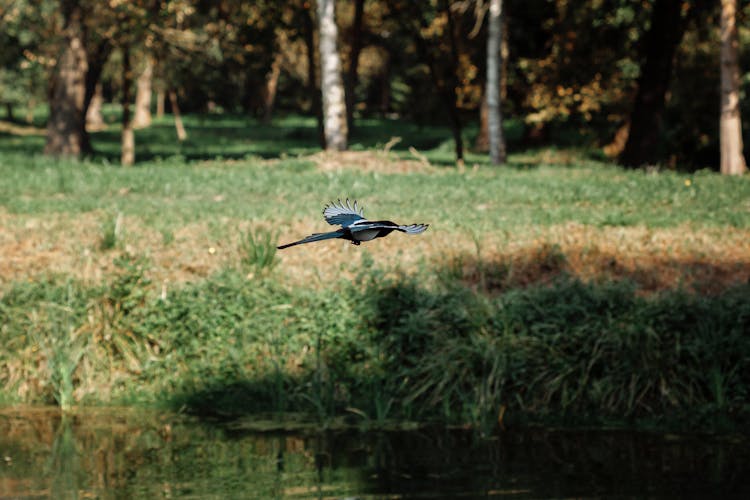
(366, 225)
(343, 214)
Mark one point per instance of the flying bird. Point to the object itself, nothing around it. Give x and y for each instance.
(354, 226)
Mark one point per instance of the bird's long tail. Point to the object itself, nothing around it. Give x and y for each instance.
(313, 237)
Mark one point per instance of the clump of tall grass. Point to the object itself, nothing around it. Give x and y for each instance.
(258, 250)
(565, 349)
(63, 350)
(111, 232)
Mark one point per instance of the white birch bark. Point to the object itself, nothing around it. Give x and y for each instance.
(331, 85)
(730, 127)
(494, 114)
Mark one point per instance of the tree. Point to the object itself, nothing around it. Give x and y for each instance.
(494, 114)
(142, 116)
(331, 85)
(94, 118)
(659, 46)
(272, 86)
(730, 127)
(127, 153)
(66, 127)
(179, 127)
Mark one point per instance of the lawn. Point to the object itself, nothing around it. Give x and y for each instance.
(558, 286)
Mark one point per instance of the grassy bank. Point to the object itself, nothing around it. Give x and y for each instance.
(382, 348)
(557, 289)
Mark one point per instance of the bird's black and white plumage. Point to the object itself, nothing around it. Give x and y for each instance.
(354, 226)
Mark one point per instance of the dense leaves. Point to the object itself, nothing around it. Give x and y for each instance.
(570, 74)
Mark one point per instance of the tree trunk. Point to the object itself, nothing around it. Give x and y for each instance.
(312, 80)
(451, 79)
(352, 76)
(272, 85)
(730, 130)
(160, 103)
(385, 88)
(482, 142)
(332, 88)
(179, 127)
(94, 120)
(66, 123)
(143, 92)
(97, 58)
(30, 107)
(127, 155)
(659, 46)
(494, 113)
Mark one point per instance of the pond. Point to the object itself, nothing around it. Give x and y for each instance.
(121, 453)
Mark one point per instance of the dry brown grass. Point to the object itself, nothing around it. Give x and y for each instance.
(370, 161)
(32, 246)
(655, 259)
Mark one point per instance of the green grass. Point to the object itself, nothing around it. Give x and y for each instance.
(489, 200)
(426, 344)
(174, 182)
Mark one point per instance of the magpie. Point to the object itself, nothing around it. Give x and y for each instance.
(354, 226)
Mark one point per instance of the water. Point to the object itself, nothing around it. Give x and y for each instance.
(117, 453)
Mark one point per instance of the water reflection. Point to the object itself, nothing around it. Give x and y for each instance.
(117, 453)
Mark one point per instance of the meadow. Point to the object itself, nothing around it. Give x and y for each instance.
(559, 288)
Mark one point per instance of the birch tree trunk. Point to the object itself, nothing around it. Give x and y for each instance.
(67, 115)
(142, 117)
(494, 113)
(127, 153)
(482, 143)
(331, 85)
(730, 126)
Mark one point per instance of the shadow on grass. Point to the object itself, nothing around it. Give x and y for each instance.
(231, 136)
(540, 347)
(546, 263)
